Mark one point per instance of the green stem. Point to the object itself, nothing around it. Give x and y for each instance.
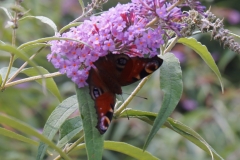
(155, 20)
(129, 99)
(50, 75)
(24, 65)
(89, 11)
(171, 45)
(13, 44)
(3, 86)
(238, 36)
(74, 145)
(175, 4)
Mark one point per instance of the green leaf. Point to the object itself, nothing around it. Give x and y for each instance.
(129, 150)
(50, 83)
(16, 136)
(17, 124)
(92, 137)
(69, 26)
(174, 125)
(124, 148)
(10, 17)
(204, 54)
(17, 52)
(171, 85)
(226, 59)
(35, 46)
(55, 120)
(147, 117)
(43, 20)
(69, 129)
(192, 136)
(3, 72)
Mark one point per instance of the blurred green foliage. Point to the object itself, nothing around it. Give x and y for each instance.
(214, 115)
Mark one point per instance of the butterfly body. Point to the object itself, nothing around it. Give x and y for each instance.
(109, 75)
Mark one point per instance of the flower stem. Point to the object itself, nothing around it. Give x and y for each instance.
(175, 4)
(172, 44)
(24, 65)
(129, 99)
(70, 148)
(50, 75)
(14, 30)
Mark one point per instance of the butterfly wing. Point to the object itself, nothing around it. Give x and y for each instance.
(137, 68)
(103, 98)
(118, 70)
(110, 73)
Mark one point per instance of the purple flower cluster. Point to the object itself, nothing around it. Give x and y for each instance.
(120, 30)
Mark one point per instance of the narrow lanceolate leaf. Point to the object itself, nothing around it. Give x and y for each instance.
(69, 26)
(192, 136)
(125, 148)
(204, 54)
(28, 130)
(36, 45)
(69, 129)
(46, 39)
(50, 83)
(92, 137)
(55, 120)
(43, 20)
(13, 135)
(17, 52)
(171, 85)
(129, 150)
(176, 126)
(3, 72)
(147, 117)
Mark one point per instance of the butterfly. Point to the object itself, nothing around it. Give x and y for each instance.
(109, 74)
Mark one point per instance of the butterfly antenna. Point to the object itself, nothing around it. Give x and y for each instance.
(136, 96)
(126, 109)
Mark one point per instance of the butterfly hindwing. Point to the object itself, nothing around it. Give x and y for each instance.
(104, 100)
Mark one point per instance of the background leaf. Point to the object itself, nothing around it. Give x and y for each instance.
(174, 125)
(50, 83)
(192, 136)
(3, 72)
(43, 19)
(18, 53)
(16, 136)
(15, 123)
(69, 129)
(55, 120)
(204, 54)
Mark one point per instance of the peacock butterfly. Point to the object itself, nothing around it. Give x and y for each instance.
(109, 74)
